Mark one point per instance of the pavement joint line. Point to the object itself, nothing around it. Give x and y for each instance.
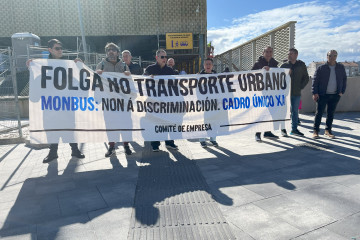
(97, 188)
(315, 229)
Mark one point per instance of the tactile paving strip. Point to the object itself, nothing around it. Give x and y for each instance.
(173, 201)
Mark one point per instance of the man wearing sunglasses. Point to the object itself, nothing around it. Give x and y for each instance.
(160, 68)
(112, 63)
(328, 85)
(56, 52)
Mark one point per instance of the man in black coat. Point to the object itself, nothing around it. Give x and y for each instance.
(266, 61)
(160, 68)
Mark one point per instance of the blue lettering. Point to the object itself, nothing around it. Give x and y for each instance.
(231, 103)
(57, 103)
(91, 103)
(46, 104)
(66, 103)
(83, 103)
(74, 103)
(224, 104)
(236, 103)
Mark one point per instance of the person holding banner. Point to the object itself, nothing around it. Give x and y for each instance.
(208, 69)
(266, 61)
(56, 52)
(299, 79)
(160, 68)
(328, 86)
(133, 67)
(113, 63)
(171, 63)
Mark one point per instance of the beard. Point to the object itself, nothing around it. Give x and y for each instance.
(112, 57)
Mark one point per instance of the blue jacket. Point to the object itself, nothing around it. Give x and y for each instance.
(321, 79)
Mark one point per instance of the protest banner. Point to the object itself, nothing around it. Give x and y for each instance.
(71, 102)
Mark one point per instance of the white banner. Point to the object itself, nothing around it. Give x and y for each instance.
(70, 101)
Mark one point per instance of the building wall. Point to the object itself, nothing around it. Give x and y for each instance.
(102, 17)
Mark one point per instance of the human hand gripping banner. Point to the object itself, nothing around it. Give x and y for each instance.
(69, 101)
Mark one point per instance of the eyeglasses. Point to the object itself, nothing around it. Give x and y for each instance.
(58, 48)
(162, 57)
(111, 49)
(332, 55)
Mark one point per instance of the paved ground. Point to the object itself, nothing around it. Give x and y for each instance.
(294, 188)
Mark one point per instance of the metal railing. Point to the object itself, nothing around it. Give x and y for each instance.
(243, 57)
(10, 122)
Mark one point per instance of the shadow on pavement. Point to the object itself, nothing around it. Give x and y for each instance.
(168, 178)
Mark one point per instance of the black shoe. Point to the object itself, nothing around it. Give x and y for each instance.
(284, 133)
(270, 135)
(214, 143)
(77, 153)
(155, 148)
(50, 157)
(127, 150)
(258, 137)
(172, 146)
(296, 133)
(110, 152)
(203, 144)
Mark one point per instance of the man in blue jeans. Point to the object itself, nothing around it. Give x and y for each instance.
(299, 79)
(328, 85)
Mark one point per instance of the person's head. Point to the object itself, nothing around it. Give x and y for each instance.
(171, 62)
(55, 48)
(208, 65)
(126, 56)
(331, 57)
(161, 57)
(268, 53)
(112, 52)
(292, 55)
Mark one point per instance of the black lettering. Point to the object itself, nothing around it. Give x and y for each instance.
(44, 77)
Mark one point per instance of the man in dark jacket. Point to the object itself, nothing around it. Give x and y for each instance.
(56, 52)
(266, 61)
(299, 79)
(160, 68)
(208, 69)
(171, 63)
(133, 67)
(328, 85)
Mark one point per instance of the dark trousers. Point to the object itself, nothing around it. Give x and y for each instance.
(112, 144)
(331, 100)
(54, 147)
(157, 143)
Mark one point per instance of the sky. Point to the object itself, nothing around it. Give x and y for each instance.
(321, 25)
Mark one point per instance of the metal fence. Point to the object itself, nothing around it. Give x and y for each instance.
(243, 57)
(10, 122)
